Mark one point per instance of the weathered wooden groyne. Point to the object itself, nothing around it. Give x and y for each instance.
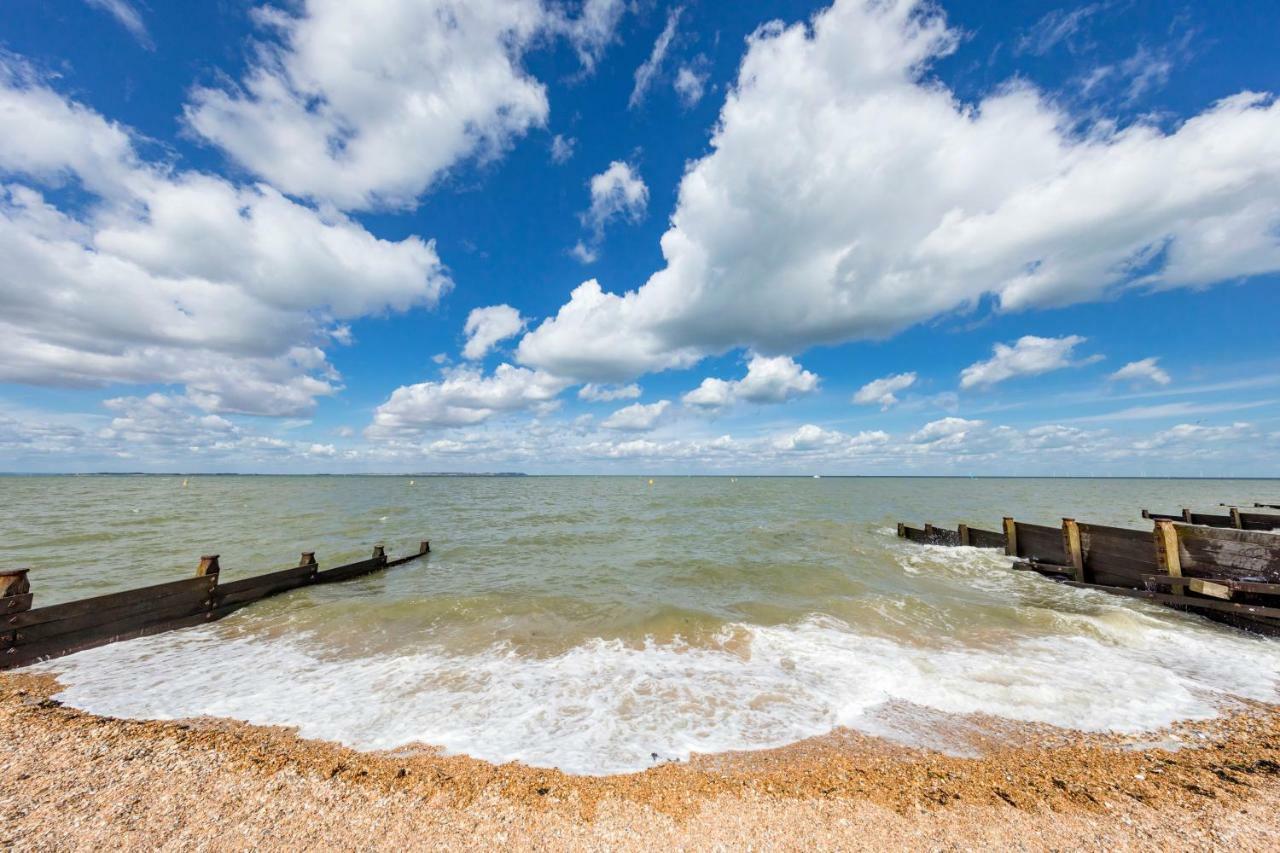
(1233, 518)
(1230, 574)
(28, 635)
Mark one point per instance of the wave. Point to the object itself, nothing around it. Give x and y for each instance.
(605, 706)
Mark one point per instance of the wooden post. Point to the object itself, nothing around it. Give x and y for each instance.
(1235, 519)
(379, 552)
(1146, 513)
(1071, 544)
(928, 530)
(1010, 537)
(902, 530)
(424, 547)
(963, 532)
(14, 582)
(309, 559)
(1167, 548)
(1186, 515)
(208, 565)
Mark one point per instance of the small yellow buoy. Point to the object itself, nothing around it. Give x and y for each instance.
(411, 482)
(651, 482)
(184, 484)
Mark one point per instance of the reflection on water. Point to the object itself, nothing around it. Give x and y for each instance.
(588, 622)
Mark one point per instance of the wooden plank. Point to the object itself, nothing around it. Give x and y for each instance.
(1204, 587)
(1074, 550)
(1010, 537)
(11, 605)
(1168, 554)
(119, 620)
(962, 533)
(1259, 521)
(1155, 516)
(1239, 586)
(194, 598)
(70, 643)
(980, 538)
(1230, 553)
(109, 602)
(914, 534)
(262, 586)
(1185, 601)
(1040, 543)
(351, 570)
(82, 606)
(1210, 520)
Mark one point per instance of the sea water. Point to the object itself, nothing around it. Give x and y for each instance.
(589, 623)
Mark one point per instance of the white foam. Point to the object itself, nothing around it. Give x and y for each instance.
(603, 707)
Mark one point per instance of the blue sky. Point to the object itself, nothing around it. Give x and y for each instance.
(640, 237)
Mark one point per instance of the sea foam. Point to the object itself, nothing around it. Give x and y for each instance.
(606, 707)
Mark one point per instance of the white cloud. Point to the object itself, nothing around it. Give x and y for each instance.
(1058, 26)
(1029, 356)
(593, 29)
(812, 437)
(164, 276)
(562, 148)
(487, 326)
(768, 380)
(884, 390)
(945, 429)
(649, 69)
(1144, 370)
(595, 393)
(464, 397)
(128, 17)
(617, 192)
(1175, 410)
(690, 84)
(638, 417)
(849, 195)
(584, 253)
(368, 104)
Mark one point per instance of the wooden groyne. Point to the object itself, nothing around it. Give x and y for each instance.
(1233, 518)
(1227, 573)
(28, 635)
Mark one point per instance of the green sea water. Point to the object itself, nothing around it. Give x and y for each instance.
(590, 622)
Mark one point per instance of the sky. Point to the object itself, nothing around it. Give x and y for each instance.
(889, 237)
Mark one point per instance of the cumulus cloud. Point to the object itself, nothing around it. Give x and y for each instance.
(849, 195)
(945, 428)
(811, 437)
(161, 276)
(646, 73)
(1143, 370)
(884, 391)
(616, 193)
(638, 417)
(768, 380)
(1029, 356)
(367, 104)
(465, 396)
(595, 393)
(487, 326)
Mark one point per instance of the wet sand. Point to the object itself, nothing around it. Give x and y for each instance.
(73, 780)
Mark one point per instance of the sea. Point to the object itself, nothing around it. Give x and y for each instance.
(602, 624)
